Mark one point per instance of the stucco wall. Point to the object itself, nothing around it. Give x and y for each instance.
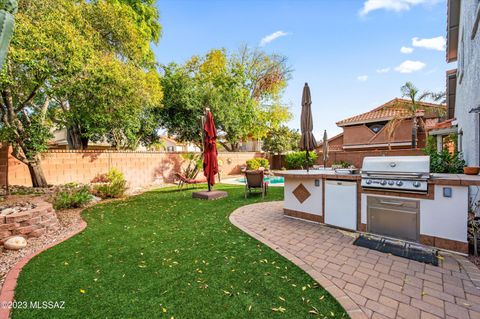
(468, 84)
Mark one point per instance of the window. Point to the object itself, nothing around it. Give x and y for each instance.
(376, 127)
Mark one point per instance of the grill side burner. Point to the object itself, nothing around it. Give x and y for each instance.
(396, 173)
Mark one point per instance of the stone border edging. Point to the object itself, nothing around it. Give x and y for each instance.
(7, 293)
(345, 301)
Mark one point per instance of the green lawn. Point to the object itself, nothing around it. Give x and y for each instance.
(163, 254)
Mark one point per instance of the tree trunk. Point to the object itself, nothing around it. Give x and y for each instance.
(74, 138)
(84, 143)
(414, 132)
(36, 174)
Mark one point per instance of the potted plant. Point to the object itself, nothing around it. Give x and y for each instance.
(471, 170)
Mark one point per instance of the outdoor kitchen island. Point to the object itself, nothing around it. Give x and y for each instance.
(435, 217)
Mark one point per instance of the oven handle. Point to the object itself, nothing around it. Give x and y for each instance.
(391, 203)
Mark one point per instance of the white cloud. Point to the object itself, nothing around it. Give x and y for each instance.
(272, 37)
(406, 50)
(384, 70)
(362, 78)
(410, 66)
(392, 5)
(437, 43)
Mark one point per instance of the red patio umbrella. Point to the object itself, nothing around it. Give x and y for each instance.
(210, 163)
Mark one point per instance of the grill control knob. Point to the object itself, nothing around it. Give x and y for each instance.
(391, 183)
(383, 182)
(369, 181)
(399, 183)
(416, 184)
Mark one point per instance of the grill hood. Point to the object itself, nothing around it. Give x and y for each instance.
(396, 165)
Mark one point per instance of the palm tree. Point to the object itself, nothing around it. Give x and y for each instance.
(415, 110)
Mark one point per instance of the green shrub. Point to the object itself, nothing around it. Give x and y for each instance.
(341, 164)
(297, 160)
(113, 184)
(256, 163)
(71, 196)
(444, 162)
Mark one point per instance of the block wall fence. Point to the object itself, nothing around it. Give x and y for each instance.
(140, 168)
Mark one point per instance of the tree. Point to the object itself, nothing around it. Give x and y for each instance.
(415, 110)
(147, 17)
(40, 59)
(182, 104)
(113, 97)
(243, 91)
(66, 51)
(113, 103)
(281, 140)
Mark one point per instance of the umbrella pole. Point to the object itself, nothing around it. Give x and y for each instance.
(307, 156)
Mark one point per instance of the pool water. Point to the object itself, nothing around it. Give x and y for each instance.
(269, 179)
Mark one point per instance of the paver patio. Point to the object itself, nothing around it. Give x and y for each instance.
(368, 284)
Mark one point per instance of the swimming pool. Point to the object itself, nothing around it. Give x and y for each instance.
(269, 179)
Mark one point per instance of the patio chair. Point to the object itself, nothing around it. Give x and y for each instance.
(255, 180)
(182, 180)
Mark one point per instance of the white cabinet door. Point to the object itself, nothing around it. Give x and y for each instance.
(341, 204)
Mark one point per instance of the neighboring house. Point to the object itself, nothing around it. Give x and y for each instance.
(251, 145)
(463, 83)
(169, 144)
(370, 131)
(335, 143)
(172, 145)
(59, 142)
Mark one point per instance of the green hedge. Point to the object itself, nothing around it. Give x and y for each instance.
(297, 160)
(256, 163)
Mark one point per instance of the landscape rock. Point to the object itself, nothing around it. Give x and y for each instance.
(15, 243)
(95, 199)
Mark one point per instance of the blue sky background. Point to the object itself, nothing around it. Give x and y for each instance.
(329, 44)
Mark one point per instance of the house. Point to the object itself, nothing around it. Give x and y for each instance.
(170, 144)
(60, 142)
(388, 126)
(463, 83)
(251, 145)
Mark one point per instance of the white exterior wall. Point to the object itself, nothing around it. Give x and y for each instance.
(468, 82)
(312, 205)
(443, 217)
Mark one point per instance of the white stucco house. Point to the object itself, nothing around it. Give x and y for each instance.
(463, 83)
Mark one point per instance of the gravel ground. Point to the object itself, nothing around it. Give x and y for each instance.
(69, 223)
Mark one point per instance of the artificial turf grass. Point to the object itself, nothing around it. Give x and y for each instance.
(163, 254)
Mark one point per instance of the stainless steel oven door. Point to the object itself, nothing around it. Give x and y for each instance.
(394, 217)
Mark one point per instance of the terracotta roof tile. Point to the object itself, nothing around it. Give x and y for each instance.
(442, 125)
(384, 112)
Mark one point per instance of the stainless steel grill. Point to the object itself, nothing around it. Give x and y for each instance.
(396, 173)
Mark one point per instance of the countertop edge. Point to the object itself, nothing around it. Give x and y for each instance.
(436, 179)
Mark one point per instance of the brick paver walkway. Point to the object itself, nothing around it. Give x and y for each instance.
(368, 284)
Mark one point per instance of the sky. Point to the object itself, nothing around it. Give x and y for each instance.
(354, 54)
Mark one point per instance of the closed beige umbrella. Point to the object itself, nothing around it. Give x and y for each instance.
(307, 141)
(325, 149)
